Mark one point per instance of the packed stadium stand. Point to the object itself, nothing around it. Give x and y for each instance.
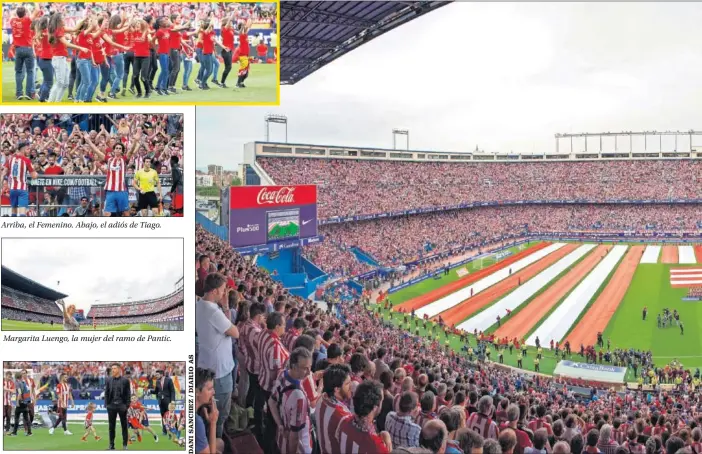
(167, 309)
(397, 206)
(385, 389)
(26, 300)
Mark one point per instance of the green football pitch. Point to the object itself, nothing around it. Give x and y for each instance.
(14, 325)
(42, 441)
(649, 287)
(261, 86)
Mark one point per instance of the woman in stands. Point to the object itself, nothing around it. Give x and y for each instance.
(69, 320)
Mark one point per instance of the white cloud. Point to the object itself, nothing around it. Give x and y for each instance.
(506, 76)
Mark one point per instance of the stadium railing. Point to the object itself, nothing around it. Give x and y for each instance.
(60, 188)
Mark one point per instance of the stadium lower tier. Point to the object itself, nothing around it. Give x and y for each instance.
(167, 316)
(394, 241)
(9, 313)
(21, 301)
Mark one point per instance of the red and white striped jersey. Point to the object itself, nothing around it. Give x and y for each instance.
(19, 167)
(116, 171)
(294, 411)
(483, 425)
(290, 337)
(273, 356)
(248, 343)
(88, 419)
(358, 439)
(63, 391)
(635, 448)
(328, 415)
(8, 392)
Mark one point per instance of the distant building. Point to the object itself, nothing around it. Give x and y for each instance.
(215, 170)
(204, 180)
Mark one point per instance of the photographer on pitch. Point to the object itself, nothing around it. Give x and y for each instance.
(117, 399)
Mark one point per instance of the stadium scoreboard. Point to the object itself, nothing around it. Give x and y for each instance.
(273, 216)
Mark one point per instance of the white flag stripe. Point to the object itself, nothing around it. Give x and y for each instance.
(686, 255)
(685, 270)
(651, 254)
(695, 282)
(681, 276)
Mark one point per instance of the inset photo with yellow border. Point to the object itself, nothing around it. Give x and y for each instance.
(194, 53)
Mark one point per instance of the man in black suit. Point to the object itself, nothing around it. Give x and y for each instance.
(165, 393)
(117, 399)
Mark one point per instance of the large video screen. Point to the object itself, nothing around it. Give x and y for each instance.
(261, 215)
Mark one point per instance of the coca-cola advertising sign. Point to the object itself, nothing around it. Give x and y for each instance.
(271, 215)
(271, 196)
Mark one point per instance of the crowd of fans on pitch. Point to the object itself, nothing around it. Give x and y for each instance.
(80, 144)
(350, 187)
(398, 240)
(366, 386)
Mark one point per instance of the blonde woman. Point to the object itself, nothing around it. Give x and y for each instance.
(69, 321)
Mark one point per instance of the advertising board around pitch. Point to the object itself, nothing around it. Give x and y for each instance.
(261, 215)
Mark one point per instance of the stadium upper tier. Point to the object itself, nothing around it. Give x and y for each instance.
(14, 299)
(128, 309)
(369, 186)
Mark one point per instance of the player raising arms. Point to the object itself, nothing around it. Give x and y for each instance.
(89, 423)
(116, 195)
(64, 394)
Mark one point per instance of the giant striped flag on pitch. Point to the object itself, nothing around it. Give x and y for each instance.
(686, 277)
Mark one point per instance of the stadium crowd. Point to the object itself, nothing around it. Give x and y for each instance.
(347, 381)
(82, 145)
(88, 46)
(167, 315)
(25, 305)
(351, 187)
(394, 241)
(137, 307)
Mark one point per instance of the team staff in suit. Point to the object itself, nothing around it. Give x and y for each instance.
(165, 393)
(117, 399)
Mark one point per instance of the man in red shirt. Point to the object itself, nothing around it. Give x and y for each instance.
(21, 26)
(262, 51)
(357, 434)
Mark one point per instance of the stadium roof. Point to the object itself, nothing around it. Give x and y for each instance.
(314, 34)
(16, 281)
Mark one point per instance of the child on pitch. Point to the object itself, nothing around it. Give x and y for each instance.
(89, 423)
(138, 419)
(170, 422)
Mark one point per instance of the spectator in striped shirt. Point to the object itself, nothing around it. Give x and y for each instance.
(427, 405)
(331, 408)
(401, 426)
(357, 434)
(481, 421)
(606, 443)
(632, 444)
(290, 407)
(273, 356)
